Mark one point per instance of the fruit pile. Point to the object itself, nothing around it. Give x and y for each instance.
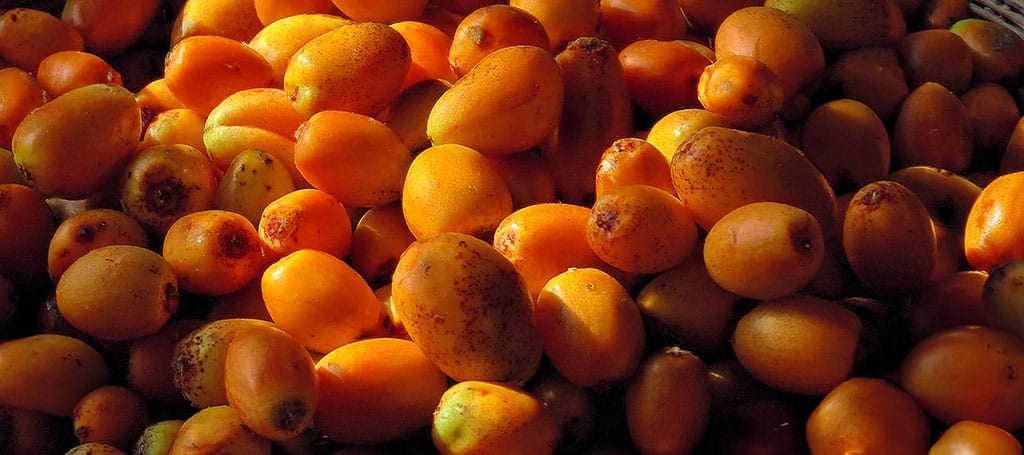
(533, 226)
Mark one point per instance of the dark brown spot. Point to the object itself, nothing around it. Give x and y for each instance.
(164, 196)
(234, 243)
(288, 415)
(84, 234)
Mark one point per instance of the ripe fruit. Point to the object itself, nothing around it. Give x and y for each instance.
(319, 299)
(49, 373)
(590, 327)
(510, 101)
(376, 390)
(799, 344)
(967, 373)
(477, 417)
(358, 68)
(467, 308)
(78, 143)
(668, 402)
(867, 415)
(118, 292)
(270, 380)
(213, 252)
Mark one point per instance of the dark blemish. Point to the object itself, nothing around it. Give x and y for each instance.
(233, 243)
(164, 196)
(84, 234)
(288, 415)
(606, 220)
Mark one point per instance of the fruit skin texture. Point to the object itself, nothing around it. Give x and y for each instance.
(118, 292)
(49, 373)
(468, 308)
(510, 101)
(213, 252)
(799, 344)
(77, 143)
(718, 169)
(889, 239)
(668, 402)
(198, 360)
(319, 299)
(454, 188)
(995, 224)
(218, 430)
(479, 417)
(358, 68)
(591, 328)
(765, 250)
(968, 436)
(270, 379)
(841, 24)
(867, 415)
(967, 372)
(377, 390)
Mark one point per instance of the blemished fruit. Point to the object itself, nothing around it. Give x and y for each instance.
(532, 226)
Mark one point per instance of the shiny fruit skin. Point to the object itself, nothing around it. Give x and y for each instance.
(799, 344)
(218, 430)
(970, 437)
(89, 230)
(319, 299)
(357, 68)
(641, 229)
(590, 326)
(509, 102)
(718, 169)
(889, 239)
(992, 227)
(213, 252)
(765, 250)
(867, 415)
(198, 360)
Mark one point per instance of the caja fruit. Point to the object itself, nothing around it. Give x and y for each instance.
(468, 308)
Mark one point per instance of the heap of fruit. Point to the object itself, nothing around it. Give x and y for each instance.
(523, 227)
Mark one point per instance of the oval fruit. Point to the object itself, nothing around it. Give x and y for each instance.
(468, 308)
(74, 145)
(510, 101)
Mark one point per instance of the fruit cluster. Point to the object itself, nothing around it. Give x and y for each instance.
(524, 226)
